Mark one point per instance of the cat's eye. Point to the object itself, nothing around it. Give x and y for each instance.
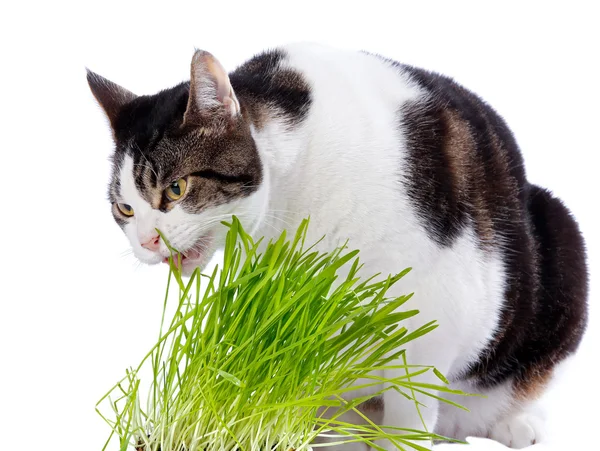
(125, 209)
(176, 189)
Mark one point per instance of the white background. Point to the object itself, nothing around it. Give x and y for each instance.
(75, 312)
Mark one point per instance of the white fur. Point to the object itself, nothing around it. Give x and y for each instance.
(342, 166)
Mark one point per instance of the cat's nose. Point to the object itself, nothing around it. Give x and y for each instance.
(153, 243)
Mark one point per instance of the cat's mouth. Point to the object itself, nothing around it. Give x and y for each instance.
(193, 257)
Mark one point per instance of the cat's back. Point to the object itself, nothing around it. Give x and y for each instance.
(336, 74)
(313, 81)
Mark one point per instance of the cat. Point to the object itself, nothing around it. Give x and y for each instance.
(410, 167)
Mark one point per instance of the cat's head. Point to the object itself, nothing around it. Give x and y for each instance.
(184, 161)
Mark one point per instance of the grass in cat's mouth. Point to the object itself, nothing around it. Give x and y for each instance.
(183, 257)
(194, 255)
(177, 258)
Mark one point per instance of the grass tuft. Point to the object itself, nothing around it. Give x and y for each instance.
(259, 355)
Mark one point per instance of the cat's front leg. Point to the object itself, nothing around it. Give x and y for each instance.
(399, 412)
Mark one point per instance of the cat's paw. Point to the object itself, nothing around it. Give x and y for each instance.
(518, 431)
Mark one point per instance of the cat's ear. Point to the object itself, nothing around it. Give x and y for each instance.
(109, 95)
(210, 90)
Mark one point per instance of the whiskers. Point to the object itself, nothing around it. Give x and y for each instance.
(127, 254)
(199, 247)
(137, 265)
(187, 235)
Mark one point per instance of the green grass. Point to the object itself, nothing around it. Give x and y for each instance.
(270, 342)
